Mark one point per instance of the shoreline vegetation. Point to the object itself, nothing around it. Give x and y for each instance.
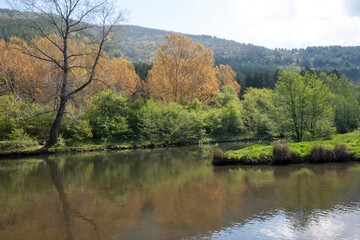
(338, 148)
(193, 102)
(32, 148)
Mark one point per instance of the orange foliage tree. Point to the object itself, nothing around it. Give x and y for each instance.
(21, 75)
(181, 70)
(68, 18)
(29, 78)
(118, 74)
(226, 76)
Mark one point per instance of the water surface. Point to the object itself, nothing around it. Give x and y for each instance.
(175, 194)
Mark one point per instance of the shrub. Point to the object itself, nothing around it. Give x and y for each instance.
(19, 134)
(60, 143)
(281, 154)
(168, 123)
(18, 145)
(341, 153)
(20, 141)
(107, 116)
(76, 129)
(218, 157)
(320, 154)
(150, 122)
(224, 120)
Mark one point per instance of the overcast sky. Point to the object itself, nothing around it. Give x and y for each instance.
(269, 23)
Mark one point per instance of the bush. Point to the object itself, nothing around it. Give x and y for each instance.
(38, 126)
(168, 123)
(341, 153)
(218, 157)
(281, 154)
(11, 111)
(76, 129)
(224, 120)
(259, 110)
(18, 145)
(20, 141)
(321, 154)
(60, 143)
(179, 124)
(107, 116)
(150, 122)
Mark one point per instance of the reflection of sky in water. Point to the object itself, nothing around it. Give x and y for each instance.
(341, 222)
(175, 194)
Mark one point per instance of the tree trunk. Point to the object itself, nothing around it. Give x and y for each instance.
(54, 172)
(54, 131)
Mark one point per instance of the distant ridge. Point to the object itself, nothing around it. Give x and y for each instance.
(139, 44)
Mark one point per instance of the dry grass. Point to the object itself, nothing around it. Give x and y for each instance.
(321, 154)
(281, 154)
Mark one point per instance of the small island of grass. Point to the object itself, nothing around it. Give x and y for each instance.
(339, 148)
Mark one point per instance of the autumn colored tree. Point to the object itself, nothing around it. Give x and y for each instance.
(119, 75)
(225, 76)
(182, 70)
(21, 75)
(67, 17)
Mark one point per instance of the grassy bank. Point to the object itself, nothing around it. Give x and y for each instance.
(339, 148)
(18, 148)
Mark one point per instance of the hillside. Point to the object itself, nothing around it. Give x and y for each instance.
(139, 44)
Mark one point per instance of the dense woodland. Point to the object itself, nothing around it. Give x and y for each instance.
(138, 45)
(183, 95)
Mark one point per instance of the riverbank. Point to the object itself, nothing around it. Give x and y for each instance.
(113, 146)
(339, 148)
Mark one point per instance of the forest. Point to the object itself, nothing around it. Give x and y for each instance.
(138, 45)
(183, 96)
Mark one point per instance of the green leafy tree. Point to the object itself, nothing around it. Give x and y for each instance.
(346, 106)
(107, 115)
(226, 117)
(303, 105)
(258, 110)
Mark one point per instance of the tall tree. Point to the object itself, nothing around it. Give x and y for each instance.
(68, 18)
(182, 70)
(303, 104)
(226, 75)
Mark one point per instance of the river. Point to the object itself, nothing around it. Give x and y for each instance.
(175, 193)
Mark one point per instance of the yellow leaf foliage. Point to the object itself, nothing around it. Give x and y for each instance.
(225, 76)
(182, 69)
(29, 77)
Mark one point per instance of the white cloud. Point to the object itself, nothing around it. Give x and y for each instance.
(297, 23)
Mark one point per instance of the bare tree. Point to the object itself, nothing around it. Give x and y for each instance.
(67, 18)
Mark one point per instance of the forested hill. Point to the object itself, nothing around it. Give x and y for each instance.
(139, 44)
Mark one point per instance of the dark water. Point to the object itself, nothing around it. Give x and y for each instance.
(175, 194)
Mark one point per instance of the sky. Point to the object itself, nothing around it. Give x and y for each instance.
(270, 23)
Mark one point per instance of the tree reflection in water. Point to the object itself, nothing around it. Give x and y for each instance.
(160, 194)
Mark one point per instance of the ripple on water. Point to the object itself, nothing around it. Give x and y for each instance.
(339, 222)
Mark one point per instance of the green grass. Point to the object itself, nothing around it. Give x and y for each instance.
(100, 144)
(262, 153)
(18, 146)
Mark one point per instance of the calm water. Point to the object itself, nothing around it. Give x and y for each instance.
(175, 194)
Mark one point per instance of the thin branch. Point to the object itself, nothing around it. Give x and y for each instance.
(71, 116)
(40, 29)
(92, 69)
(98, 80)
(86, 13)
(47, 59)
(38, 114)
